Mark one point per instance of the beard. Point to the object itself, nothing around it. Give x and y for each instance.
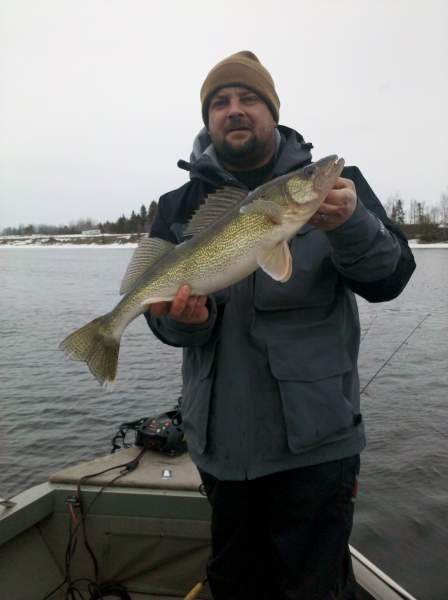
(245, 155)
(235, 153)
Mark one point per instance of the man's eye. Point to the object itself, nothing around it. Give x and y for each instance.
(250, 99)
(218, 103)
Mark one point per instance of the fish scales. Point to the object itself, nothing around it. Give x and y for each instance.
(252, 234)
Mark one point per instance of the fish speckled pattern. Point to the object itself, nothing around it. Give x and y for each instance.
(234, 234)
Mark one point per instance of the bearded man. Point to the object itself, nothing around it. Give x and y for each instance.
(271, 405)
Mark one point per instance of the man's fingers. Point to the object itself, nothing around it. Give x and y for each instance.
(201, 308)
(158, 309)
(340, 182)
(195, 308)
(339, 197)
(184, 307)
(337, 207)
(343, 182)
(327, 208)
(180, 302)
(190, 308)
(202, 300)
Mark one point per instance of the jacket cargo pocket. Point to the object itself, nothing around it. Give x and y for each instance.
(197, 371)
(311, 390)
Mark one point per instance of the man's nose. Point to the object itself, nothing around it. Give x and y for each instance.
(235, 108)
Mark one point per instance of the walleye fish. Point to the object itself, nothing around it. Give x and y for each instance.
(233, 233)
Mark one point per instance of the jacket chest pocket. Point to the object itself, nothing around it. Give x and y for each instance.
(313, 281)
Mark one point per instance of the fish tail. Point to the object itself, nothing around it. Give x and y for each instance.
(95, 345)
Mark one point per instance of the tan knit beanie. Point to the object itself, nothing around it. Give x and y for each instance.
(242, 68)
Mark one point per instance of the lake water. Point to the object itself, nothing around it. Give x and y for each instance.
(53, 413)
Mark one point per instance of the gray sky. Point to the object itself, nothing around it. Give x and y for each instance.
(100, 98)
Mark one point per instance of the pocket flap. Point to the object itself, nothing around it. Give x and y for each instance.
(307, 360)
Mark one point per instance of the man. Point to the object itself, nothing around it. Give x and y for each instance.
(270, 382)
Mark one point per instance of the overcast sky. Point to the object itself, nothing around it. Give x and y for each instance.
(100, 98)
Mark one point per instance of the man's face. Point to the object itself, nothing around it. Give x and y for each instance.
(241, 127)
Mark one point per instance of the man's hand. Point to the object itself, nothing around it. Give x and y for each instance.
(337, 207)
(184, 307)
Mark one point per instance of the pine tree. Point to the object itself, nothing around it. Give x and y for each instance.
(121, 224)
(143, 213)
(133, 223)
(397, 214)
(152, 212)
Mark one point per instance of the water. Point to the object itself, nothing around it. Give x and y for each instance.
(53, 413)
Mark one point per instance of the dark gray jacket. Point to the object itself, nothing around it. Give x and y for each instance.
(270, 382)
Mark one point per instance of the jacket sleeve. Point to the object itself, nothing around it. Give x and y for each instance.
(168, 330)
(175, 333)
(369, 250)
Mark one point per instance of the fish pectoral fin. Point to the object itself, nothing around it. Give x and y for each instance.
(276, 262)
(264, 207)
(148, 252)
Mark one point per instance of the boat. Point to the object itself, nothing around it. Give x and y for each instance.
(146, 525)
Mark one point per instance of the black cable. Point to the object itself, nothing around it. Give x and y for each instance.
(70, 551)
(85, 512)
(48, 596)
(127, 467)
(110, 589)
(72, 541)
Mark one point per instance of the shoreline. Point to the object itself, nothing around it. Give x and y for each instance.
(70, 241)
(114, 241)
(69, 246)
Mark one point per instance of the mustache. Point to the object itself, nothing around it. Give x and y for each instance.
(237, 123)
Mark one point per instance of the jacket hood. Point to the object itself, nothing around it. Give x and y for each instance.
(292, 153)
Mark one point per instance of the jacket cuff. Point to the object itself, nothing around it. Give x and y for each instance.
(353, 238)
(176, 333)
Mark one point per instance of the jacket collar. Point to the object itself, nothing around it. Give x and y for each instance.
(292, 153)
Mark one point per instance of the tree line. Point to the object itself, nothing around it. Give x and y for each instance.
(417, 213)
(139, 222)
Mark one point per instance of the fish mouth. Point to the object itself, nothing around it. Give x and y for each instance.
(330, 163)
(328, 169)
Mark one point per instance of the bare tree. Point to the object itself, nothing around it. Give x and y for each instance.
(389, 206)
(444, 208)
(435, 214)
(412, 211)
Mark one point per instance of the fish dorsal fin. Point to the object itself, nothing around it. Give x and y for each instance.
(147, 253)
(215, 206)
(264, 207)
(276, 262)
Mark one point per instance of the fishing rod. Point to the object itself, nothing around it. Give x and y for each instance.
(369, 326)
(387, 361)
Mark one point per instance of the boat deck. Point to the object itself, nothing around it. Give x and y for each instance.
(149, 530)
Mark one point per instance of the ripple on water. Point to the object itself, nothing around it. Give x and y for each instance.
(54, 413)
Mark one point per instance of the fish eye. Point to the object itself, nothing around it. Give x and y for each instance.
(310, 171)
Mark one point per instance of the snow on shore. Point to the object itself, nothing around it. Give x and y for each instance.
(110, 240)
(67, 246)
(417, 244)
